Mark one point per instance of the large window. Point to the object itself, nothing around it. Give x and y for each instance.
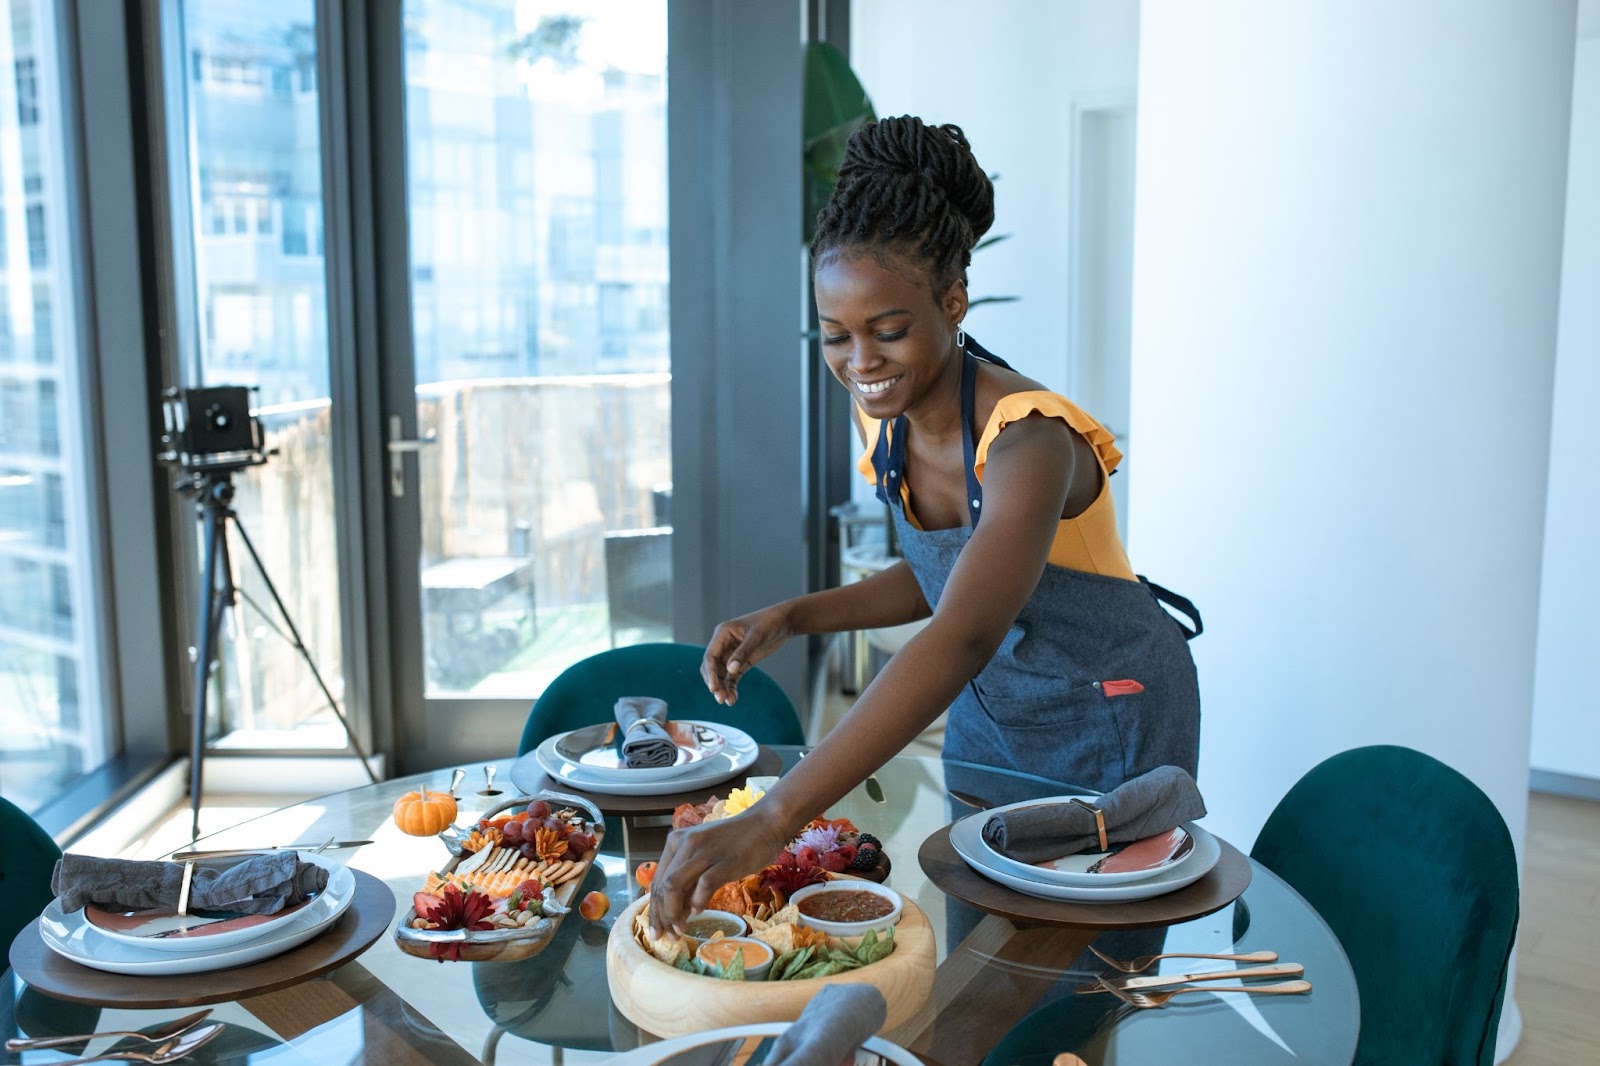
(251, 144)
(537, 191)
(55, 726)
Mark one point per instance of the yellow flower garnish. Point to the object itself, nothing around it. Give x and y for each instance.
(741, 799)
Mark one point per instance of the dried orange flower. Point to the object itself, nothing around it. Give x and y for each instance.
(550, 844)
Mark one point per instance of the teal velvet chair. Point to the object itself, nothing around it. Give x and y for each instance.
(1413, 868)
(586, 692)
(26, 862)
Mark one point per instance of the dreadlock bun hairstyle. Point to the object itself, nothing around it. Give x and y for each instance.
(909, 188)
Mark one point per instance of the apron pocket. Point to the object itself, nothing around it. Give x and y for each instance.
(1073, 736)
(1076, 708)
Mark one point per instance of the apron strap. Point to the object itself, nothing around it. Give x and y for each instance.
(880, 460)
(969, 455)
(1179, 603)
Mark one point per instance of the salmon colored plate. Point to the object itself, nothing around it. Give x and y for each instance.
(163, 930)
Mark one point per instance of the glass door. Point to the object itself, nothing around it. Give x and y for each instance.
(245, 131)
(528, 457)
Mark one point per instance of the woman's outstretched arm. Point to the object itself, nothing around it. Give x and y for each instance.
(1026, 481)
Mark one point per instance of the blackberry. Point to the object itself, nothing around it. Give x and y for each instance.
(866, 859)
(868, 840)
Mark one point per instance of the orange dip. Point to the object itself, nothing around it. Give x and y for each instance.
(720, 952)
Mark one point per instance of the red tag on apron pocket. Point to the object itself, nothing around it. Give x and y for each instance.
(1121, 688)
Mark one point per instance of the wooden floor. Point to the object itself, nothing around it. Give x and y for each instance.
(1558, 961)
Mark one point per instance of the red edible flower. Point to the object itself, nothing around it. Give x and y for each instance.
(453, 910)
(790, 879)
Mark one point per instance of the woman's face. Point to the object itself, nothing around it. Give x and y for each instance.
(884, 335)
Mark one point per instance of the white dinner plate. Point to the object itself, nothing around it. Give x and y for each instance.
(594, 748)
(680, 1050)
(966, 836)
(1068, 869)
(71, 936)
(735, 758)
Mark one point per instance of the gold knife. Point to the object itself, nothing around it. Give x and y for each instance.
(1168, 980)
(315, 845)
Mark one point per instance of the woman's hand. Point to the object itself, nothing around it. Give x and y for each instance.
(737, 645)
(699, 860)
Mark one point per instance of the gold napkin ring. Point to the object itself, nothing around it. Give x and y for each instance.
(183, 890)
(1099, 820)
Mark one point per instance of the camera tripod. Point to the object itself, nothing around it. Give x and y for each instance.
(213, 492)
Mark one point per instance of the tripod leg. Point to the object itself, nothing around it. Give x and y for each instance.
(210, 615)
(305, 652)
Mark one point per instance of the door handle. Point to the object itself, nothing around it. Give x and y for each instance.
(399, 447)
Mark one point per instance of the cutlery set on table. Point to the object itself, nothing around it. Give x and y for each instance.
(1133, 987)
(167, 1042)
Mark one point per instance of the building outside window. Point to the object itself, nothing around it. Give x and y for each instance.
(55, 723)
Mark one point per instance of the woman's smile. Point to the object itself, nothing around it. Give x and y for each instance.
(873, 388)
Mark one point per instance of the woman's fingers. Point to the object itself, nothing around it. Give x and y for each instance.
(664, 914)
(714, 666)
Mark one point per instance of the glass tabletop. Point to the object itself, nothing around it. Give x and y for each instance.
(390, 1007)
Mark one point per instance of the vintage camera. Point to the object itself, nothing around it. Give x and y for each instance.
(211, 429)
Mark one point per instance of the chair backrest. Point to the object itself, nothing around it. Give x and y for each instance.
(26, 862)
(1413, 868)
(587, 691)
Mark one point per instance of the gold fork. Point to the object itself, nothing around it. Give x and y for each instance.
(1159, 999)
(1144, 962)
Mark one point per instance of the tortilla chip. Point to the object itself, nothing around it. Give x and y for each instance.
(780, 938)
(668, 947)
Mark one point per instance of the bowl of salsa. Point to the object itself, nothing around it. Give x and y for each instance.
(704, 925)
(847, 908)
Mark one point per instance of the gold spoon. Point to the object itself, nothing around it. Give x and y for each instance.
(1144, 962)
(157, 1035)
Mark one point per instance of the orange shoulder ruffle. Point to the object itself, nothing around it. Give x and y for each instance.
(1020, 405)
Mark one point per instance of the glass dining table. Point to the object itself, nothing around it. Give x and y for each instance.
(390, 1007)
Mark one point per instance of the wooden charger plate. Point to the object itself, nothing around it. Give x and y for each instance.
(952, 876)
(365, 920)
(667, 1001)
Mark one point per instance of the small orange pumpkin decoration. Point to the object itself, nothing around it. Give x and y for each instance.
(425, 813)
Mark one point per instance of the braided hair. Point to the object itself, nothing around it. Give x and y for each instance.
(910, 188)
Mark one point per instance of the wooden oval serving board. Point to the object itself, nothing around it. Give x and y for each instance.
(666, 1001)
(504, 945)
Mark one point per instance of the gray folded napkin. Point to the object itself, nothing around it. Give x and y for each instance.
(263, 885)
(645, 740)
(1149, 804)
(838, 1020)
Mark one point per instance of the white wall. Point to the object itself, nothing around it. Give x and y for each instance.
(1566, 708)
(1007, 72)
(1347, 260)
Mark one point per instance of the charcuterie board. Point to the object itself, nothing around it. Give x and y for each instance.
(489, 882)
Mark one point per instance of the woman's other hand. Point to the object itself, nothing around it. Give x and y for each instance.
(739, 644)
(699, 860)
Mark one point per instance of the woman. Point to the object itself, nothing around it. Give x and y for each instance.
(1052, 657)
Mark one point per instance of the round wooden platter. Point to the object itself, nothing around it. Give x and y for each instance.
(666, 1001)
(528, 775)
(365, 920)
(952, 876)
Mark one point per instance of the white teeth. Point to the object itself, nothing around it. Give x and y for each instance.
(876, 386)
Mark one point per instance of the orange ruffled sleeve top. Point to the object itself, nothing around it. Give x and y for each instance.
(1089, 542)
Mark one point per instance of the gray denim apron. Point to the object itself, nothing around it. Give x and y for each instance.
(1042, 704)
